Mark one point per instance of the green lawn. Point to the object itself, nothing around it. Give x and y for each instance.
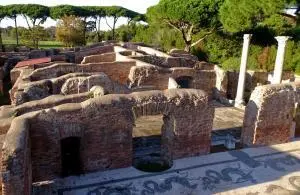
(42, 44)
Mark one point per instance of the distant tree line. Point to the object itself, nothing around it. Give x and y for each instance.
(36, 14)
(213, 30)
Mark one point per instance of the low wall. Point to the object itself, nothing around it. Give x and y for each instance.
(253, 79)
(166, 62)
(92, 51)
(105, 127)
(159, 77)
(269, 115)
(117, 71)
(107, 57)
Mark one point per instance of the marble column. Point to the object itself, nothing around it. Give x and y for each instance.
(239, 100)
(277, 76)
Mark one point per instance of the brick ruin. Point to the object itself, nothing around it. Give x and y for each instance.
(91, 98)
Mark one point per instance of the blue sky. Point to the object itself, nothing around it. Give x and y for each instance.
(136, 5)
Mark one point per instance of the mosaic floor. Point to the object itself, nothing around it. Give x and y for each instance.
(255, 171)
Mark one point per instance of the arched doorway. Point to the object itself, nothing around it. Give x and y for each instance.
(70, 156)
(184, 82)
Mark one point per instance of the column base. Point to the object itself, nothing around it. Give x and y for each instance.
(239, 103)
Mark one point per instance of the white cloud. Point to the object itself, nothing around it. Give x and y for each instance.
(135, 5)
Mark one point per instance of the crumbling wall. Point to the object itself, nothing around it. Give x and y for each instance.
(117, 71)
(269, 115)
(16, 160)
(168, 62)
(220, 91)
(253, 79)
(296, 86)
(105, 126)
(159, 77)
(107, 57)
(152, 51)
(92, 51)
(83, 84)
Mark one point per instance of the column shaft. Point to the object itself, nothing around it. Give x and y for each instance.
(277, 76)
(239, 100)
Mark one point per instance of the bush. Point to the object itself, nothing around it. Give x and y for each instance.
(232, 63)
(220, 47)
(164, 37)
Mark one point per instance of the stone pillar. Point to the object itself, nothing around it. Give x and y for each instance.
(239, 100)
(277, 76)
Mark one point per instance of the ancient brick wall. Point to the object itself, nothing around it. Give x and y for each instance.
(92, 51)
(16, 157)
(105, 126)
(67, 84)
(107, 57)
(152, 51)
(166, 62)
(159, 77)
(117, 71)
(220, 91)
(296, 86)
(269, 115)
(253, 79)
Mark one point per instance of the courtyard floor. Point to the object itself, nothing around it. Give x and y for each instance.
(252, 171)
(226, 118)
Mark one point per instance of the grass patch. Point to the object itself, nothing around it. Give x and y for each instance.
(42, 44)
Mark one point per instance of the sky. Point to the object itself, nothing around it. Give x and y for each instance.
(135, 5)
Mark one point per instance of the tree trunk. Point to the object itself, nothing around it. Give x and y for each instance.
(84, 31)
(98, 30)
(1, 42)
(187, 41)
(114, 28)
(17, 34)
(187, 46)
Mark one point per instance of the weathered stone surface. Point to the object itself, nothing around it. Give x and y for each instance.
(159, 77)
(92, 51)
(84, 84)
(221, 84)
(108, 57)
(183, 54)
(269, 115)
(98, 91)
(16, 168)
(117, 71)
(166, 62)
(106, 125)
(37, 54)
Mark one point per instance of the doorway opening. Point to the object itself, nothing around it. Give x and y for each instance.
(70, 156)
(184, 82)
(148, 155)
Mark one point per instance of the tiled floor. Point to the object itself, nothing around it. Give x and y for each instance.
(267, 170)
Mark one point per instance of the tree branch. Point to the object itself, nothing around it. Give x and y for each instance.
(201, 39)
(189, 33)
(172, 25)
(39, 22)
(108, 24)
(27, 22)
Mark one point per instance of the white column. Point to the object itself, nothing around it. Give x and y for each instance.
(239, 100)
(277, 76)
